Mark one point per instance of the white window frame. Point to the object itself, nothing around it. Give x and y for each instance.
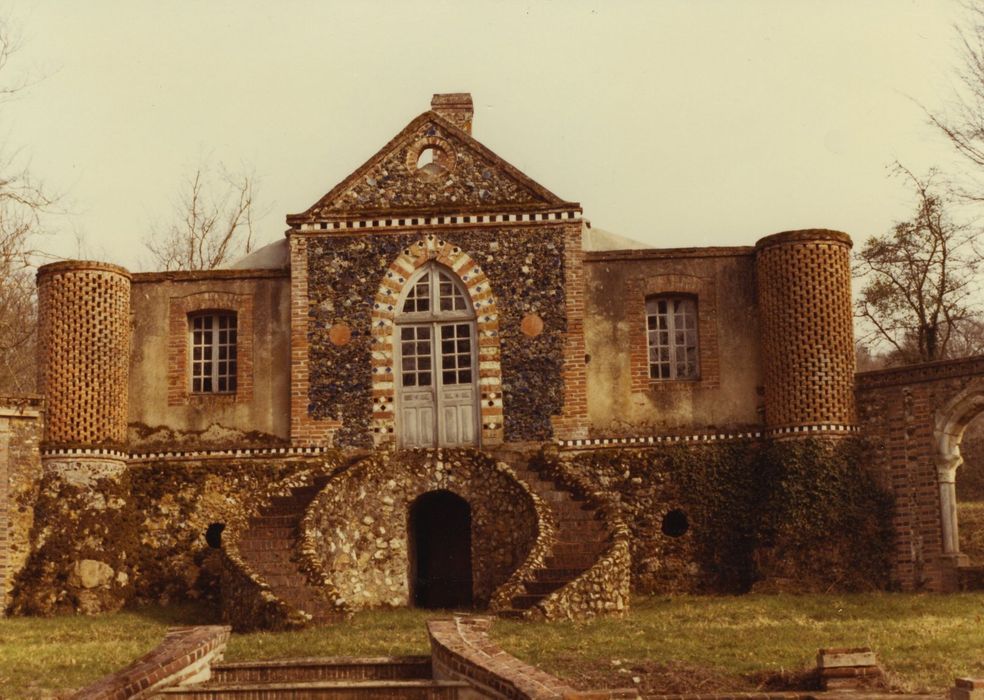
(209, 370)
(681, 325)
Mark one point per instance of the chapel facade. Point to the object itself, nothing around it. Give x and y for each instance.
(439, 339)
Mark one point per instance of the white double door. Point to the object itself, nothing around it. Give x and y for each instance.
(437, 398)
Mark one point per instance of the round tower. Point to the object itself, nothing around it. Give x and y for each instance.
(84, 353)
(803, 281)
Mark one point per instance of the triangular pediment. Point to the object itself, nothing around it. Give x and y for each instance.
(464, 176)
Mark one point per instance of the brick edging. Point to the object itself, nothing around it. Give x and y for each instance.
(185, 655)
(462, 650)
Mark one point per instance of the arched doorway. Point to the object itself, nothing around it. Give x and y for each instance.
(439, 531)
(951, 425)
(437, 358)
(969, 486)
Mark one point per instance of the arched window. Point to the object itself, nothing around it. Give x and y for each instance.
(671, 327)
(437, 361)
(213, 352)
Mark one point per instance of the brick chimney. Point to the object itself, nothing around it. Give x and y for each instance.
(456, 107)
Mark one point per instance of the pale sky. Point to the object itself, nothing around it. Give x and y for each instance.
(675, 123)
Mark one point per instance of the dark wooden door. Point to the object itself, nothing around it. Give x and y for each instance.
(440, 551)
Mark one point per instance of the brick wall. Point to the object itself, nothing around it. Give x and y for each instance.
(804, 297)
(910, 415)
(84, 352)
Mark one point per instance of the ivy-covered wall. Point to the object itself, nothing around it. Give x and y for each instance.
(789, 515)
(526, 270)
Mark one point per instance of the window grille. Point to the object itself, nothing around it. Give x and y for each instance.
(671, 326)
(213, 352)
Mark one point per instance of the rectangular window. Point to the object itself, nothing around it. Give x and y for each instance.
(671, 327)
(213, 352)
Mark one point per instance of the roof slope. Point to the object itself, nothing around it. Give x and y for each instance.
(464, 177)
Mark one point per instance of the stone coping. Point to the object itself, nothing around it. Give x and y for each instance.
(668, 253)
(209, 275)
(644, 440)
(809, 235)
(308, 451)
(398, 220)
(82, 266)
(184, 656)
(921, 372)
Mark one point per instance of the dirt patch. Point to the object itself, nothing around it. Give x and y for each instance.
(650, 677)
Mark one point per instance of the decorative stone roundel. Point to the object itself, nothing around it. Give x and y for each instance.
(531, 325)
(340, 334)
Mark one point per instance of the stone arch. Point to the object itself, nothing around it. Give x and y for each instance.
(439, 548)
(950, 423)
(479, 289)
(358, 523)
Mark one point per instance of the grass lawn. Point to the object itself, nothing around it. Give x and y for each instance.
(670, 644)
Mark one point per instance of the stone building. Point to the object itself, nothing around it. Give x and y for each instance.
(443, 387)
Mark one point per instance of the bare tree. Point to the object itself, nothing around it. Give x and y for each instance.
(23, 200)
(962, 121)
(917, 302)
(213, 222)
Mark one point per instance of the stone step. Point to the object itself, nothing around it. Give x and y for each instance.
(577, 550)
(522, 602)
(324, 669)
(557, 574)
(569, 562)
(262, 557)
(269, 532)
(263, 544)
(544, 586)
(296, 510)
(335, 690)
(264, 519)
(285, 579)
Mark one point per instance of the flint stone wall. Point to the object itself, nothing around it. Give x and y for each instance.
(359, 522)
(525, 266)
(141, 528)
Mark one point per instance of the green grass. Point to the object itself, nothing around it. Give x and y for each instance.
(668, 643)
(41, 656)
(923, 641)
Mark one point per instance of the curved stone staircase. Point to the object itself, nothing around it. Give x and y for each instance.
(582, 536)
(268, 547)
(568, 578)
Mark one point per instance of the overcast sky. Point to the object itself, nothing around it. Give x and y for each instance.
(674, 123)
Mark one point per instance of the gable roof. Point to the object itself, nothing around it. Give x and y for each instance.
(466, 177)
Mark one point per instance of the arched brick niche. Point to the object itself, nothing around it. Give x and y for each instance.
(391, 289)
(178, 377)
(360, 521)
(703, 290)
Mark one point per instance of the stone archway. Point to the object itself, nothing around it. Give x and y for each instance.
(951, 422)
(482, 299)
(439, 534)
